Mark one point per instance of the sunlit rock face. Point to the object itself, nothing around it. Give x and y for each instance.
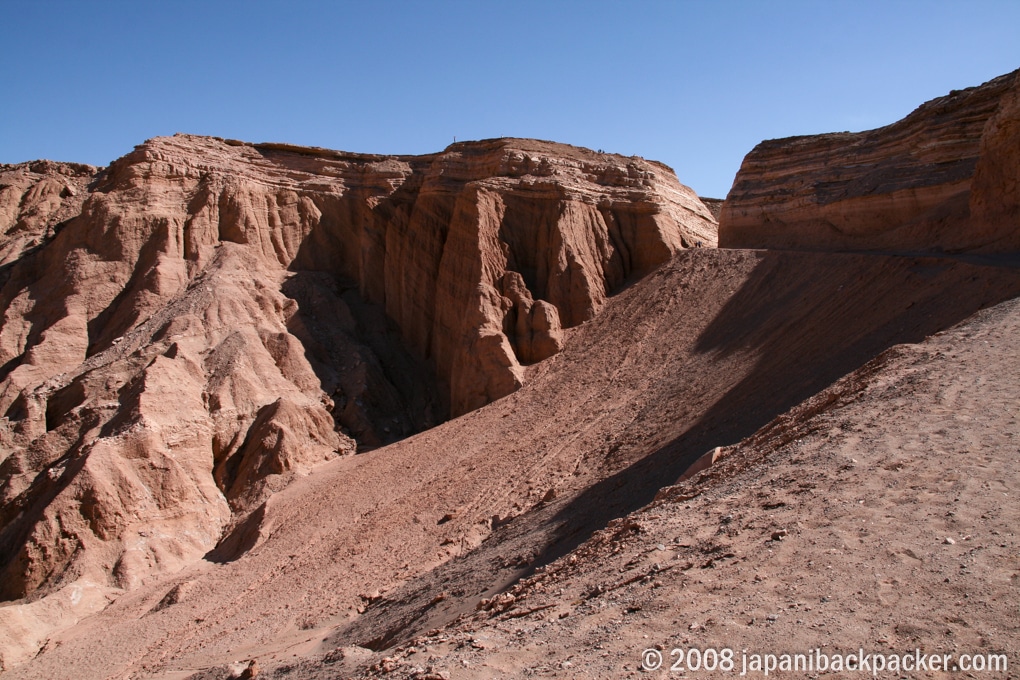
(943, 178)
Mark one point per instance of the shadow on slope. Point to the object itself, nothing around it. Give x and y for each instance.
(806, 331)
(791, 326)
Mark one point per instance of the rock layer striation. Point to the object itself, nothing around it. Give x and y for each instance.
(943, 178)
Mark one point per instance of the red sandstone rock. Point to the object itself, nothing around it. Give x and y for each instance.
(212, 318)
(943, 178)
(995, 191)
(34, 199)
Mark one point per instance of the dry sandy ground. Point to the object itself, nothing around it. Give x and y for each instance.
(371, 551)
(881, 515)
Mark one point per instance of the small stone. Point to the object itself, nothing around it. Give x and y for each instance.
(779, 534)
(949, 541)
(251, 671)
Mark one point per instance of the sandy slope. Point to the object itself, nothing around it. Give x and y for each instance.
(374, 549)
(879, 515)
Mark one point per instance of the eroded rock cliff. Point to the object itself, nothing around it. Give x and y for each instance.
(35, 198)
(943, 178)
(190, 328)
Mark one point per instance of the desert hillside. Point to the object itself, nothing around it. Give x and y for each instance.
(878, 515)
(506, 410)
(218, 317)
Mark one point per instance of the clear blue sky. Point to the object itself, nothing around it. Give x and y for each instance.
(693, 84)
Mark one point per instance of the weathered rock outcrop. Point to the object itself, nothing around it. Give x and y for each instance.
(995, 191)
(209, 318)
(943, 178)
(35, 198)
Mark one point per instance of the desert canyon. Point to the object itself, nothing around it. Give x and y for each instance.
(513, 409)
